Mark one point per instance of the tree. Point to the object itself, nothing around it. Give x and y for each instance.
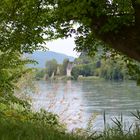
(116, 23)
(108, 69)
(114, 70)
(51, 67)
(39, 74)
(12, 68)
(64, 66)
(75, 72)
(21, 29)
(26, 25)
(22, 25)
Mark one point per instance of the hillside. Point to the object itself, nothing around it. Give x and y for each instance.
(41, 57)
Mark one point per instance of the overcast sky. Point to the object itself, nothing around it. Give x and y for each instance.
(65, 46)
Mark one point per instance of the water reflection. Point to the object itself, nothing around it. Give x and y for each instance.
(112, 97)
(75, 101)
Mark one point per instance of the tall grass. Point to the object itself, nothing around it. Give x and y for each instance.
(28, 125)
(118, 131)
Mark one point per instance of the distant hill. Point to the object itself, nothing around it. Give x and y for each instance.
(41, 57)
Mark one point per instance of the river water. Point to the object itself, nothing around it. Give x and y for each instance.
(77, 102)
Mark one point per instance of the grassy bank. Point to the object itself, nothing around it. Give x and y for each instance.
(89, 78)
(19, 123)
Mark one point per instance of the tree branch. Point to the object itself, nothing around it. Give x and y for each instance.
(127, 41)
(127, 38)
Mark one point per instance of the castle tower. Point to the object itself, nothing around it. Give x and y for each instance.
(69, 69)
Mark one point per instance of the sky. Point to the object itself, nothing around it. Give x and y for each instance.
(65, 46)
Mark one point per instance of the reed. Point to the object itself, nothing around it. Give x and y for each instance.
(28, 125)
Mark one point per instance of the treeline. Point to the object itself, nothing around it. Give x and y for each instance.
(52, 69)
(109, 69)
(85, 66)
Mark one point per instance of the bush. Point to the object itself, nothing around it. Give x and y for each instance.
(40, 73)
(20, 123)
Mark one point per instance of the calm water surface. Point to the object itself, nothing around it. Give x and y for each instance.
(76, 102)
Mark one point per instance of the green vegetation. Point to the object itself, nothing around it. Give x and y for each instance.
(25, 25)
(109, 68)
(53, 70)
(64, 67)
(86, 67)
(40, 74)
(115, 23)
(20, 123)
(89, 78)
(51, 67)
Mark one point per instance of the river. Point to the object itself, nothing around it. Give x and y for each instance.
(76, 102)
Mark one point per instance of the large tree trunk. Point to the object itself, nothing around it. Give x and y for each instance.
(127, 38)
(126, 41)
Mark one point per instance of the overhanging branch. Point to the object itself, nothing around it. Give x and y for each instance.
(127, 38)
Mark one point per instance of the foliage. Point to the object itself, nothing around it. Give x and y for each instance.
(64, 66)
(12, 69)
(51, 67)
(21, 31)
(114, 70)
(25, 26)
(39, 74)
(22, 25)
(75, 72)
(109, 21)
(18, 123)
(104, 68)
(83, 70)
(93, 22)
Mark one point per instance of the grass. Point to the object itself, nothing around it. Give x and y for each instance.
(27, 125)
(28, 131)
(89, 78)
(23, 124)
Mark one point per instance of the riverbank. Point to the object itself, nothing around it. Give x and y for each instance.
(19, 123)
(80, 78)
(89, 78)
(65, 78)
(22, 124)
